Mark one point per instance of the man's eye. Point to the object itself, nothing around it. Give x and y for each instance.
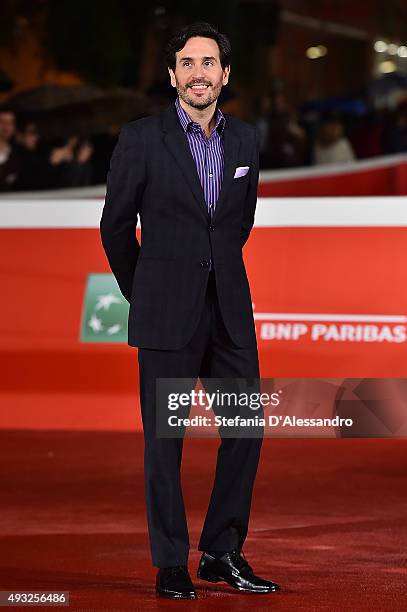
(207, 63)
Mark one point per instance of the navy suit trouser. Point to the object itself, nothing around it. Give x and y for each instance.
(209, 353)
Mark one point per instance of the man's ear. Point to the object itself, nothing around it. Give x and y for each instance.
(225, 77)
(172, 77)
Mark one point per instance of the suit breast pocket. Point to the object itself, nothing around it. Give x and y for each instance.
(242, 172)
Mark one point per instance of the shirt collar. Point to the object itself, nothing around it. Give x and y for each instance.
(186, 120)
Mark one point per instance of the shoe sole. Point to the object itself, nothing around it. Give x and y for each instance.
(169, 596)
(208, 577)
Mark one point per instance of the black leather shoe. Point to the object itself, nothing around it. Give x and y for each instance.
(233, 568)
(175, 583)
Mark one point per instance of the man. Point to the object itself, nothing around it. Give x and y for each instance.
(191, 174)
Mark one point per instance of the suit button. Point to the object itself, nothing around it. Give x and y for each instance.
(211, 228)
(205, 264)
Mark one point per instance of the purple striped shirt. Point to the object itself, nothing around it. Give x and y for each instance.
(208, 153)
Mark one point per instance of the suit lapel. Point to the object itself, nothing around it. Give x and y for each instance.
(176, 141)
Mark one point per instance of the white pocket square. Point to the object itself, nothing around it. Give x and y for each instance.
(241, 171)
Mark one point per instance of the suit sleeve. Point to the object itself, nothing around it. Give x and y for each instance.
(126, 180)
(251, 198)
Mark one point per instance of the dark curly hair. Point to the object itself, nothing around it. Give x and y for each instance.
(199, 28)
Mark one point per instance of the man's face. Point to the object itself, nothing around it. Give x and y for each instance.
(199, 76)
(7, 125)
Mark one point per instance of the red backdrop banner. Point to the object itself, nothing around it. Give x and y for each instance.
(329, 301)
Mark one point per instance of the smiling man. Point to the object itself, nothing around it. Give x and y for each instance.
(191, 174)
(199, 79)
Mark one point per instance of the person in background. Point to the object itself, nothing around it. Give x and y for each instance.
(262, 123)
(395, 133)
(332, 146)
(10, 159)
(103, 144)
(283, 140)
(70, 163)
(33, 173)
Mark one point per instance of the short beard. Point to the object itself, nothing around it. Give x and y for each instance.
(200, 105)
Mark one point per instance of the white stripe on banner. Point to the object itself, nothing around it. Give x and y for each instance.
(387, 211)
(50, 214)
(332, 212)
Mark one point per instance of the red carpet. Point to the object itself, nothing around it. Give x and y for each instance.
(328, 522)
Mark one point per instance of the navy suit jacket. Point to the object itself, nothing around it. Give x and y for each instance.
(153, 175)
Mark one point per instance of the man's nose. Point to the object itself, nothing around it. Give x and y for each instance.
(198, 72)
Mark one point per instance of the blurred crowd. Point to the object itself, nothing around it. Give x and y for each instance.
(288, 139)
(29, 162)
